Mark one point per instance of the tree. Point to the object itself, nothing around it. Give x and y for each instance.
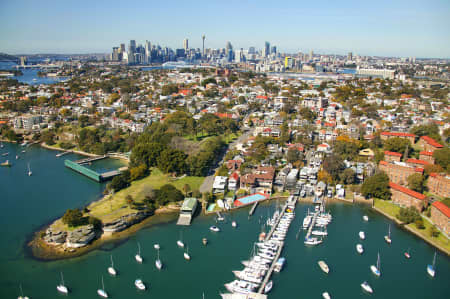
(430, 130)
(118, 183)
(442, 157)
(376, 186)
(408, 215)
(172, 160)
(168, 193)
(334, 165)
(73, 218)
(416, 182)
(307, 114)
(434, 232)
(396, 144)
(294, 155)
(129, 200)
(348, 176)
(430, 168)
(324, 176)
(48, 137)
(419, 223)
(138, 172)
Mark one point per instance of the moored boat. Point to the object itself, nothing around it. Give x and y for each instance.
(234, 224)
(204, 241)
(214, 228)
(366, 287)
(388, 237)
(325, 295)
(268, 287)
(376, 269)
(362, 235)
(359, 248)
(407, 255)
(6, 164)
(61, 287)
(111, 269)
(139, 284)
(324, 266)
(101, 292)
(365, 218)
(431, 268)
(138, 256)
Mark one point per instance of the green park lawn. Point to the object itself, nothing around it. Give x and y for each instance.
(392, 210)
(113, 206)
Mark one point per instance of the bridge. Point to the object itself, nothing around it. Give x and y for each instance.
(98, 177)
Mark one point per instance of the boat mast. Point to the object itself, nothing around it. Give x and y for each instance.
(434, 260)
(62, 279)
(378, 262)
(112, 263)
(103, 284)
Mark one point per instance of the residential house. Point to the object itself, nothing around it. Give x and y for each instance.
(233, 181)
(259, 181)
(416, 163)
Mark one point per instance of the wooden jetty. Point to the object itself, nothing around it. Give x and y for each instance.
(253, 208)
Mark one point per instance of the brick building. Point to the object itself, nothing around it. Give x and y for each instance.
(392, 156)
(439, 184)
(426, 156)
(398, 172)
(429, 144)
(417, 163)
(406, 197)
(387, 135)
(440, 215)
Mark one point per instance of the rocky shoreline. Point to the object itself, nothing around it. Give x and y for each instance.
(54, 244)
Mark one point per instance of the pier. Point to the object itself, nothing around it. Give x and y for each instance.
(63, 153)
(311, 226)
(272, 266)
(98, 177)
(253, 209)
(90, 159)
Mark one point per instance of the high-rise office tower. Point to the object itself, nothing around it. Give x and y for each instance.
(185, 44)
(203, 49)
(311, 55)
(115, 54)
(350, 56)
(122, 48)
(131, 51)
(228, 47)
(148, 52)
(251, 50)
(273, 50)
(266, 49)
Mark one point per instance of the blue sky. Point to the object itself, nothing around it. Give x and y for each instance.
(385, 28)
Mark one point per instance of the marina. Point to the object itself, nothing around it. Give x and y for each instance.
(215, 261)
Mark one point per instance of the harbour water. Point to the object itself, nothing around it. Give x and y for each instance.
(30, 76)
(30, 202)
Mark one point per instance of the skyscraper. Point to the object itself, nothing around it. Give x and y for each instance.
(148, 52)
(350, 56)
(266, 49)
(273, 50)
(131, 51)
(115, 54)
(185, 44)
(311, 55)
(203, 49)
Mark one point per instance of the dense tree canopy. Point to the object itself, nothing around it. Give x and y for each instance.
(398, 145)
(377, 186)
(442, 158)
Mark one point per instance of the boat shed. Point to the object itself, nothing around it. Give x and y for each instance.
(187, 210)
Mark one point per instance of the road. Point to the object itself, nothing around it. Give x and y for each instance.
(209, 180)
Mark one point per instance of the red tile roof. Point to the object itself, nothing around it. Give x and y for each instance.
(392, 153)
(442, 207)
(426, 153)
(433, 174)
(383, 163)
(407, 191)
(431, 141)
(398, 134)
(417, 161)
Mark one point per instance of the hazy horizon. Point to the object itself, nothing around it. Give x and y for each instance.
(399, 29)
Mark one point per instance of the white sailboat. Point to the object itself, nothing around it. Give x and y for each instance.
(431, 268)
(376, 269)
(186, 254)
(180, 241)
(362, 235)
(234, 224)
(21, 293)
(29, 170)
(365, 218)
(156, 246)
(158, 263)
(359, 248)
(388, 237)
(101, 292)
(111, 269)
(365, 285)
(61, 287)
(138, 256)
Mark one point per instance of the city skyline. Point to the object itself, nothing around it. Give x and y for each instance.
(402, 29)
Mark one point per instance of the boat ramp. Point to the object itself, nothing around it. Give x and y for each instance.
(250, 213)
